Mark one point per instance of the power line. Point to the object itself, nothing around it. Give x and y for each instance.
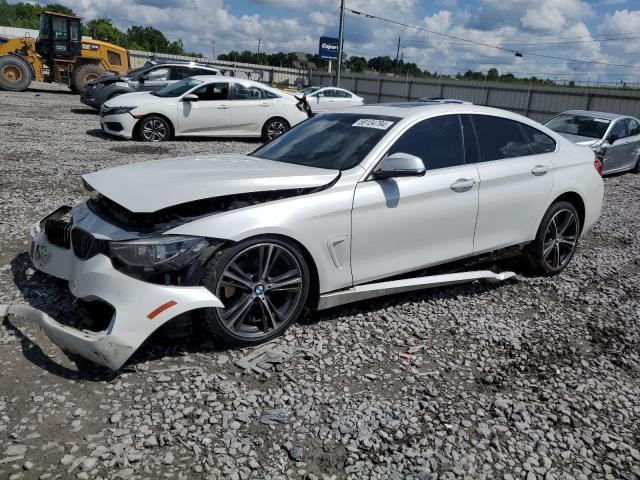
(426, 42)
(510, 50)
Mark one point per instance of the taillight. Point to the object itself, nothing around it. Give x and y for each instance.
(597, 163)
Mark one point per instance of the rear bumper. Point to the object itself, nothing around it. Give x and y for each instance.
(134, 302)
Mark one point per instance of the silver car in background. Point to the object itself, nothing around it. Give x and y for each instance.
(616, 138)
(150, 78)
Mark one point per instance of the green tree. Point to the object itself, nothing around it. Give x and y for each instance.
(357, 64)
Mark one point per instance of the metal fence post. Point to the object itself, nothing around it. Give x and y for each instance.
(379, 88)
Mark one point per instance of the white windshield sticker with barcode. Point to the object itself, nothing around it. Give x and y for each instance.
(373, 123)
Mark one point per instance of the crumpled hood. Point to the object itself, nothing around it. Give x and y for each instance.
(108, 77)
(580, 140)
(151, 186)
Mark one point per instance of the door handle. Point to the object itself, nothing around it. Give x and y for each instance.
(223, 107)
(265, 104)
(463, 185)
(540, 170)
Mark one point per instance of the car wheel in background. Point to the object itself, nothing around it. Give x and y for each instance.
(636, 169)
(154, 129)
(263, 284)
(274, 127)
(15, 73)
(86, 74)
(556, 240)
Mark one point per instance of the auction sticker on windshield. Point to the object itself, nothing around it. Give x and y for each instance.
(373, 123)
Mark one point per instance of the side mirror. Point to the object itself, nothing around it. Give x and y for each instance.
(400, 165)
(141, 79)
(612, 139)
(190, 98)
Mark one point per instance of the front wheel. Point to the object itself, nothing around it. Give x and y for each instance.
(154, 129)
(263, 284)
(15, 73)
(556, 240)
(274, 128)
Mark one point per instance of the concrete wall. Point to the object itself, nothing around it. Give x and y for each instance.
(14, 32)
(537, 102)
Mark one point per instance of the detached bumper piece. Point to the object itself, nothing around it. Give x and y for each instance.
(140, 308)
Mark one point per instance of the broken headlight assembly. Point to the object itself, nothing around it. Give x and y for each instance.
(162, 253)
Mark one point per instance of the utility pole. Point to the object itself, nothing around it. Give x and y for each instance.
(258, 45)
(340, 43)
(398, 55)
(213, 49)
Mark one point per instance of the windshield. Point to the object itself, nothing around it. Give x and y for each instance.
(178, 88)
(135, 72)
(337, 141)
(309, 90)
(581, 125)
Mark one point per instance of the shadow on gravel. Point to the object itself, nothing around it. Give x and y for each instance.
(85, 111)
(99, 133)
(42, 90)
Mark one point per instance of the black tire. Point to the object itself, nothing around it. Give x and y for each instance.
(85, 74)
(15, 73)
(153, 129)
(274, 127)
(259, 306)
(556, 242)
(636, 169)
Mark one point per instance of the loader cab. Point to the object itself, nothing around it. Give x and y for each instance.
(59, 37)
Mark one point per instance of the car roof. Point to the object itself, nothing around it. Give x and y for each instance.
(181, 63)
(591, 113)
(220, 77)
(416, 110)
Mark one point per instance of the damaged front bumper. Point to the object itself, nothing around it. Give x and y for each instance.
(140, 307)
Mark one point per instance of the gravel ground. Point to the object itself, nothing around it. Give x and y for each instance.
(534, 379)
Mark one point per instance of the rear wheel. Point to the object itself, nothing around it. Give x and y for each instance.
(263, 284)
(15, 73)
(154, 129)
(274, 127)
(86, 74)
(556, 240)
(636, 169)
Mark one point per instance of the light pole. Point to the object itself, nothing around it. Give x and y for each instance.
(340, 42)
(213, 49)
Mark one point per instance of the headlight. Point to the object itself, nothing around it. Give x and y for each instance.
(167, 252)
(120, 110)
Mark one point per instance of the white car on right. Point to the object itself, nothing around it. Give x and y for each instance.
(327, 99)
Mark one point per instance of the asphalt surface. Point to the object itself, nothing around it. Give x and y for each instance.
(537, 378)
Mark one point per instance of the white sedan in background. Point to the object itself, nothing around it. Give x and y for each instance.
(208, 105)
(326, 99)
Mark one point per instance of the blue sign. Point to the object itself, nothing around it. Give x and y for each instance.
(328, 48)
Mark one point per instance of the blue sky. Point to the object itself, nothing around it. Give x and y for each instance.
(605, 31)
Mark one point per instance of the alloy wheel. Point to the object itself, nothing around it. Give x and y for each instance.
(261, 287)
(560, 239)
(154, 130)
(275, 128)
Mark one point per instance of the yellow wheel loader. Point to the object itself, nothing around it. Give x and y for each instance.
(60, 54)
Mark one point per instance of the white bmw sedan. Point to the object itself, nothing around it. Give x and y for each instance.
(328, 99)
(208, 105)
(346, 206)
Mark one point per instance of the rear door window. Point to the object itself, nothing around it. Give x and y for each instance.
(499, 138)
(437, 141)
(538, 142)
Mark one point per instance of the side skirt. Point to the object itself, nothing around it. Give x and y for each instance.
(380, 289)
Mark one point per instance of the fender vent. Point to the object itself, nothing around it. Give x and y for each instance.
(58, 232)
(85, 245)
